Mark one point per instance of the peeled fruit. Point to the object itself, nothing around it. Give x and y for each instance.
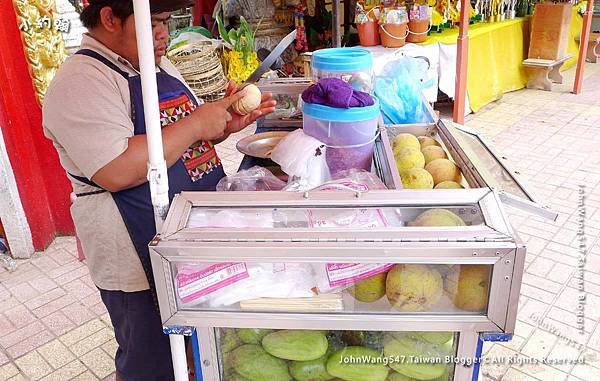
(370, 289)
(337, 365)
(468, 287)
(405, 140)
(296, 345)
(427, 141)
(416, 178)
(407, 158)
(313, 370)
(437, 217)
(432, 153)
(252, 335)
(448, 185)
(249, 102)
(254, 363)
(415, 355)
(443, 170)
(413, 287)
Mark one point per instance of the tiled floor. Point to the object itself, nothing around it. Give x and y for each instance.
(53, 325)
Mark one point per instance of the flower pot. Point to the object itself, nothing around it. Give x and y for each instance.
(417, 31)
(368, 33)
(393, 35)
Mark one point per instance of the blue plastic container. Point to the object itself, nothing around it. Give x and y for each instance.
(348, 133)
(353, 65)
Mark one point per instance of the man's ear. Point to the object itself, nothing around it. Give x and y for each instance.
(108, 19)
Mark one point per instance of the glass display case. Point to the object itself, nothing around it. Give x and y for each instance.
(388, 264)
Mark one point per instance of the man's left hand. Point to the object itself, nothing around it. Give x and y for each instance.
(239, 122)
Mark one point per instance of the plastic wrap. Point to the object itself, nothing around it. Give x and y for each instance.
(224, 284)
(253, 179)
(399, 89)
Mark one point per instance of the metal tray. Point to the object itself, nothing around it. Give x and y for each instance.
(260, 145)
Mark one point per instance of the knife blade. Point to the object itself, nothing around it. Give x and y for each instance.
(271, 58)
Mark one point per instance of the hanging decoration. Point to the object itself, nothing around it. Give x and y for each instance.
(301, 41)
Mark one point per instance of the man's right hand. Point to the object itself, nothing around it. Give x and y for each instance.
(210, 119)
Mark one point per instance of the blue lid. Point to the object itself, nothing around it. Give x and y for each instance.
(333, 114)
(342, 59)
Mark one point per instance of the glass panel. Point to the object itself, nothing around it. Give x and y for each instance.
(334, 218)
(491, 164)
(337, 288)
(264, 354)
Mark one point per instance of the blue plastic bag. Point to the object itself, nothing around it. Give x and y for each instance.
(399, 90)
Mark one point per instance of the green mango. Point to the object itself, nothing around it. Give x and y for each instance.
(236, 377)
(434, 337)
(422, 360)
(252, 362)
(369, 369)
(252, 335)
(296, 345)
(313, 370)
(229, 340)
(394, 376)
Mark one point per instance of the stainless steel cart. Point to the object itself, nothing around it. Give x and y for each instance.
(283, 239)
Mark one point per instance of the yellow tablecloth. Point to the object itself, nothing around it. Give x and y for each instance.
(496, 51)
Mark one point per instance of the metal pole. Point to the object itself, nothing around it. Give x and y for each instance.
(157, 166)
(335, 24)
(583, 45)
(462, 59)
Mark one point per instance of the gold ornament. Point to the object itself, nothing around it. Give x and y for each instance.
(43, 43)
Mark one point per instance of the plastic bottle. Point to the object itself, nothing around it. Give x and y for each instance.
(7, 261)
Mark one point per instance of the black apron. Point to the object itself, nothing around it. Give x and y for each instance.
(199, 169)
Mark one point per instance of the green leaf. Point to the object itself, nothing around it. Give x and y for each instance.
(222, 30)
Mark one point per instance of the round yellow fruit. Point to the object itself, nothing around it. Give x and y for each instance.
(432, 153)
(437, 217)
(408, 158)
(444, 170)
(249, 102)
(416, 178)
(405, 140)
(427, 141)
(448, 185)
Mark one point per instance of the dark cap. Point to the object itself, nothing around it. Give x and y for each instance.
(155, 5)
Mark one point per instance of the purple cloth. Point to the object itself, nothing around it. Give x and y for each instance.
(334, 92)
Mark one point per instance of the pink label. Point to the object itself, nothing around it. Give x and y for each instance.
(195, 285)
(346, 218)
(341, 274)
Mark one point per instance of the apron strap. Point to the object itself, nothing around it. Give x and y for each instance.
(89, 182)
(104, 60)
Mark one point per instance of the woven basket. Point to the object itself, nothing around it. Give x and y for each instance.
(201, 68)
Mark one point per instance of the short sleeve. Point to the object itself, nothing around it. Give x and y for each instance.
(85, 114)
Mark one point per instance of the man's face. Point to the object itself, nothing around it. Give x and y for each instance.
(160, 34)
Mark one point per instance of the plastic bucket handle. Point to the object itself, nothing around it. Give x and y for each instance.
(358, 145)
(395, 37)
(419, 33)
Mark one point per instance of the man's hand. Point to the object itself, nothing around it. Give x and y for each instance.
(239, 122)
(212, 119)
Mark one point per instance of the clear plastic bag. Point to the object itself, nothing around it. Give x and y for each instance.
(253, 179)
(399, 89)
(353, 179)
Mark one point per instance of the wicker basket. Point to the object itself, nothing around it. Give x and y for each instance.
(201, 68)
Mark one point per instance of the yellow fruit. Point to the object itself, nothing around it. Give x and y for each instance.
(407, 158)
(448, 185)
(405, 140)
(427, 141)
(370, 289)
(416, 178)
(437, 217)
(249, 102)
(444, 170)
(432, 153)
(468, 287)
(413, 287)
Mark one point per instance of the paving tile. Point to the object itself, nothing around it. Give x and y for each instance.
(82, 332)
(542, 372)
(19, 377)
(86, 376)
(561, 273)
(56, 354)
(33, 366)
(24, 292)
(566, 353)
(55, 305)
(3, 358)
(92, 342)
(495, 366)
(20, 316)
(7, 371)
(45, 263)
(62, 257)
(30, 343)
(569, 318)
(78, 288)
(98, 309)
(18, 335)
(515, 374)
(537, 293)
(45, 298)
(78, 313)
(112, 377)
(585, 372)
(540, 266)
(67, 372)
(66, 269)
(58, 323)
(99, 363)
(6, 327)
(71, 276)
(539, 344)
(110, 347)
(43, 284)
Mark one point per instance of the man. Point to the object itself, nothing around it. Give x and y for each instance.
(93, 113)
